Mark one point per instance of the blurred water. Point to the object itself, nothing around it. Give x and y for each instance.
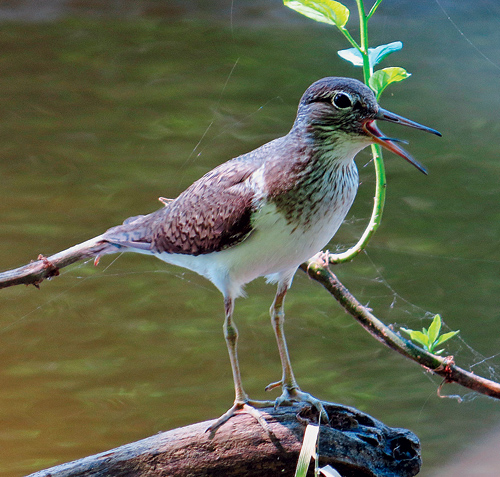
(103, 113)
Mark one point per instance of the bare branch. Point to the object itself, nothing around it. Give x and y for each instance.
(47, 267)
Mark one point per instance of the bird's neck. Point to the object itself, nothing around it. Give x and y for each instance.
(331, 144)
(315, 175)
(316, 153)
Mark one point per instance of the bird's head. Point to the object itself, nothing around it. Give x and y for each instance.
(343, 111)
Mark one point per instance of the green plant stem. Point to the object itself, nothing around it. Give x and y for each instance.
(378, 161)
(350, 39)
(378, 207)
(373, 9)
(363, 38)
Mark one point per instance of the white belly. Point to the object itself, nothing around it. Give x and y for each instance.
(274, 249)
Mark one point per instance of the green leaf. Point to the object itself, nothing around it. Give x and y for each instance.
(429, 338)
(421, 338)
(446, 337)
(406, 330)
(434, 329)
(376, 55)
(382, 78)
(326, 11)
(307, 450)
(352, 55)
(418, 336)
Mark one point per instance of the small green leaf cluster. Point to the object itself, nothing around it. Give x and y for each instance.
(325, 11)
(429, 338)
(337, 14)
(380, 79)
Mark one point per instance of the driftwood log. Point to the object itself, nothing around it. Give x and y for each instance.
(353, 443)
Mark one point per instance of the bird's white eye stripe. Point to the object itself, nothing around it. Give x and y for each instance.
(342, 101)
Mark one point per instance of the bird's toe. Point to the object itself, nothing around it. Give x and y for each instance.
(242, 407)
(289, 396)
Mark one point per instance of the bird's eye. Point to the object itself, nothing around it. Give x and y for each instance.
(342, 101)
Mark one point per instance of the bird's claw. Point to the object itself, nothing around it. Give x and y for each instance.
(272, 386)
(241, 407)
(322, 258)
(291, 395)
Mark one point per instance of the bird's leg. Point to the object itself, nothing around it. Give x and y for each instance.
(231, 336)
(241, 401)
(277, 312)
(291, 391)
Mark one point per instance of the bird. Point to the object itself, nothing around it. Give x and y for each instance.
(264, 213)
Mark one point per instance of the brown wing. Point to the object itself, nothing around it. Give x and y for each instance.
(213, 214)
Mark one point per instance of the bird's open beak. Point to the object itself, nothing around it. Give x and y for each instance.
(389, 143)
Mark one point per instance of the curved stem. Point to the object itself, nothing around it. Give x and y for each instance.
(376, 217)
(378, 161)
(350, 39)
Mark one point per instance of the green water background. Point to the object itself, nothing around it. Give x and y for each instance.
(106, 107)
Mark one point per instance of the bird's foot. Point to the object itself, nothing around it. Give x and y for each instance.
(240, 407)
(322, 258)
(294, 394)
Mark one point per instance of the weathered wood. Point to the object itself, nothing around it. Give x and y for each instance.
(354, 443)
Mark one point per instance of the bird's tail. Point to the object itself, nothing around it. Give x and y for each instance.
(134, 234)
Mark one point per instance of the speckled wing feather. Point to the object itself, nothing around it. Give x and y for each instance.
(211, 215)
